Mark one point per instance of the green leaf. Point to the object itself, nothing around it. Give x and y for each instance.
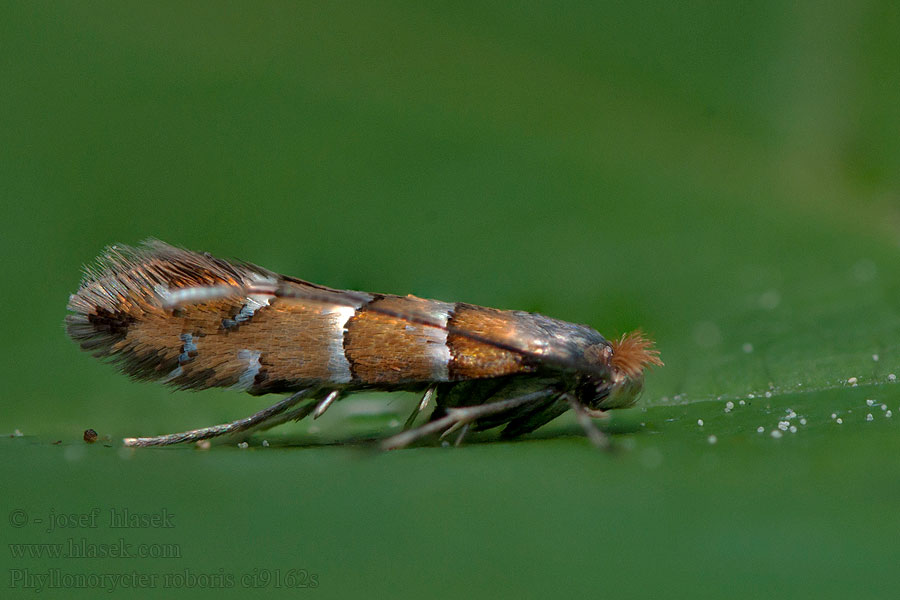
(725, 178)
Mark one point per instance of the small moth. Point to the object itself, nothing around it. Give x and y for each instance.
(194, 321)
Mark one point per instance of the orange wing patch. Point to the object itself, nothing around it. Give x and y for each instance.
(387, 348)
(473, 359)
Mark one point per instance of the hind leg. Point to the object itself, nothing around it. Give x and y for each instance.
(267, 415)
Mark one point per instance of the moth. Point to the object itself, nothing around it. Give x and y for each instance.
(194, 321)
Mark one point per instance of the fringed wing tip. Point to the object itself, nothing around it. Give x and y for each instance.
(124, 285)
(633, 352)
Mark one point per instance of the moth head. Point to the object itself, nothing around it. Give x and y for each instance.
(627, 359)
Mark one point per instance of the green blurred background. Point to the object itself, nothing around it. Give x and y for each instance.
(725, 176)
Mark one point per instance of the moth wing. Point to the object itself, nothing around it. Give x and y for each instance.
(537, 339)
(158, 276)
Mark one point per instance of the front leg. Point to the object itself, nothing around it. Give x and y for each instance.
(586, 418)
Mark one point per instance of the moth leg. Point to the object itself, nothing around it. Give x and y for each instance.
(240, 425)
(457, 418)
(584, 416)
(462, 434)
(322, 406)
(423, 404)
(296, 414)
(534, 418)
